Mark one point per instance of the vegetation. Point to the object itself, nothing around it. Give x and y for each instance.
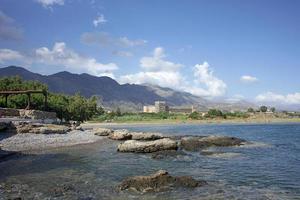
(66, 107)
(263, 108)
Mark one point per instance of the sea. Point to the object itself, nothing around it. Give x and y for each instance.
(266, 168)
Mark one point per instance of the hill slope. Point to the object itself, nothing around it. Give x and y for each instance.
(111, 92)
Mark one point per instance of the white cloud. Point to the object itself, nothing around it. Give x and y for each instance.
(9, 55)
(8, 29)
(248, 79)
(204, 75)
(158, 63)
(61, 55)
(99, 20)
(159, 71)
(278, 99)
(104, 39)
(50, 3)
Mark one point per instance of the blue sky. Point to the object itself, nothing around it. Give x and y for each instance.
(227, 49)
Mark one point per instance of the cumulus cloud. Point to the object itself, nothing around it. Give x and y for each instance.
(50, 3)
(157, 70)
(104, 39)
(157, 62)
(204, 75)
(279, 99)
(99, 20)
(9, 55)
(248, 79)
(61, 55)
(8, 29)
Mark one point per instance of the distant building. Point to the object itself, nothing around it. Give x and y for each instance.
(149, 109)
(161, 106)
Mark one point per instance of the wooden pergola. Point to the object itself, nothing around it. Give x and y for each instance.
(28, 93)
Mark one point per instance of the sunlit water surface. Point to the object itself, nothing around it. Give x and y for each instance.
(268, 169)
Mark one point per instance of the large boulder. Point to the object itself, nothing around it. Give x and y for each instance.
(121, 134)
(159, 181)
(147, 146)
(37, 128)
(145, 136)
(197, 143)
(102, 131)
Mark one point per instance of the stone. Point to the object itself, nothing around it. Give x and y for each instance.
(159, 181)
(9, 112)
(121, 134)
(167, 154)
(147, 146)
(37, 128)
(197, 143)
(145, 136)
(37, 114)
(102, 131)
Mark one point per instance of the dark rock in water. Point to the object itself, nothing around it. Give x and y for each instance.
(39, 128)
(159, 181)
(167, 154)
(147, 146)
(197, 143)
(62, 189)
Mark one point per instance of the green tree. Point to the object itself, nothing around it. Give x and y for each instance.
(250, 110)
(194, 115)
(263, 108)
(273, 109)
(215, 113)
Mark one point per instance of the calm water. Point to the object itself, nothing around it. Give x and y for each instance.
(269, 169)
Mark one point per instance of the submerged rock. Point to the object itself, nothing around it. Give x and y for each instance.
(197, 143)
(102, 131)
(37, 128)
(159, 181)
(147, 146)
(4, 126)
(121, 134)
(167, 154)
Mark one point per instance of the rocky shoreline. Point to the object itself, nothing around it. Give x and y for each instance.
(34, 136)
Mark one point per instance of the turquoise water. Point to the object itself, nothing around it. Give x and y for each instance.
(268, 169)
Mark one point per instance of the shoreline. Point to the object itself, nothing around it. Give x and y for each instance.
(195, 122)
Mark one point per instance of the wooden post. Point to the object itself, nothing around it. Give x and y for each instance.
(29, 101)
(45, 94)
(6, 96)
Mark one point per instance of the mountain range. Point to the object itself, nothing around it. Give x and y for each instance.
(129, 97)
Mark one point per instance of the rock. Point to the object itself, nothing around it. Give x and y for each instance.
(167, 154)
(159, 181)
(121, 134)
(102, 131)
(145, 136)
(41, 128)
(198, 143)
(147, 146)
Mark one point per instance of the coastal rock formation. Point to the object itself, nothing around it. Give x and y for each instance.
(167, 154)
(124, 134)
(197, 143)
(147, 146)
(38, 128)
(121, 134)
(159, 181)
(145, 136)
(102, 131)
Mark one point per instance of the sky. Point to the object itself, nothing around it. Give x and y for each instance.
(230, 50)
